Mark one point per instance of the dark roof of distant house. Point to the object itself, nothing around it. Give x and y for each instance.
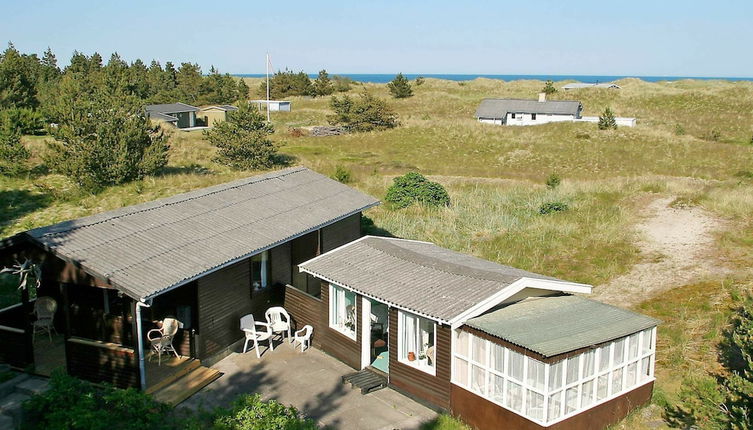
(578, 85)
(498, 108)
(162, 116)
(169, 108)
(221, 107)
(556, 325)
(420, 277)
(146, 249)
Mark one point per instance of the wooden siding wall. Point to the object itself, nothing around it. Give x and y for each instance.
(223, 298)
(279, 257)
(344, 231)
(433, 389)
(335, 343)
(102, 362)
(482, 414)
(16, 347)
(306, 309)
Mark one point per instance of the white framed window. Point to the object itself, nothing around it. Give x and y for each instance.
(342, 310)
(547, 393)
(416, 342)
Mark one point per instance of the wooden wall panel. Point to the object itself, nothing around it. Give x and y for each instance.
(433, 389)
(15, 347)
(223, 298)
(482, 414)
(279, 257)
(344, 231)
(337, 344)
(306, 309)
(102, 362)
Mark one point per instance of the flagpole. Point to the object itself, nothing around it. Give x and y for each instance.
(267, 67)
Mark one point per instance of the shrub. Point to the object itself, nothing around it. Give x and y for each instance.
(322, 85)
(607, 120)
(296, 132)
(679, 130)
(553, 181)
(714, 135)
(249, 412)
(13, 154)
(723, 401)
(22, 120)
(243, 140)
(552, 207)
(549, 88)
(400, 87)
(284, 84)
(415, 188)
(342, 84)
(365, 113)
(74, 404)
(420, 81)
(342, 175)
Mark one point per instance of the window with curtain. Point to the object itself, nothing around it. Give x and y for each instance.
(260, 270)
(416, 342)
(342, 312)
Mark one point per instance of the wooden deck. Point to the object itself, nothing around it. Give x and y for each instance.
(176, 379)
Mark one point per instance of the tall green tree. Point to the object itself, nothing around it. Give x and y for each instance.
(322, 85)
(18, 77)
(13, 154)
(399, 87)
(365, 113)
(549, 88)
(243, 90)
(607, 121)
(287, 83)
(189, 82)
(243, 140)
(102, 138)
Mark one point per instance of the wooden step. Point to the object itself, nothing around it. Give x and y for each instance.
(180, 372)
(366, 380)
(187, 386)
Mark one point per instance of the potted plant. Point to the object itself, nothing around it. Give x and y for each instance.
(422, 360)
(411, 356)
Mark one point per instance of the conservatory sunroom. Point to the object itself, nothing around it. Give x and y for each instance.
(548, 359)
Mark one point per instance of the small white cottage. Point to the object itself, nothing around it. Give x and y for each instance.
(527, 112)
(273, 105)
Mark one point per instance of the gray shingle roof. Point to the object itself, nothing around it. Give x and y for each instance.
(162, 116)
(498, 108)
(171, 108)
(556, 325)
(221, 107)
(148, 248)
(417, 276)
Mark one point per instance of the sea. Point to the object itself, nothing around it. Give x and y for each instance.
(380, 78)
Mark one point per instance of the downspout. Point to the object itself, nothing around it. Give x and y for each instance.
(140, 344)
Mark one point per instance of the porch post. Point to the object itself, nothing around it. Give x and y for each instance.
(140, 344)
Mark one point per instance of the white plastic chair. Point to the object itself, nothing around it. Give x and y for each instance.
(279, 319)
(44, 309)
(303, 336)
(256, 331)
(162, 338)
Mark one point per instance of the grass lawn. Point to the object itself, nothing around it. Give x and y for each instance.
(692, 141)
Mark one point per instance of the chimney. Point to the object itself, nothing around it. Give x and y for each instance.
(542, 97)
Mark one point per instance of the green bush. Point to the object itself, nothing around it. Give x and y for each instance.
(72, 404)
(553, 181)
(249, 412)
(22, 120)
(13, 154)
(366, 113)
(552, 207)
(549, 88)
(400, 87)
(243, 140)
(607, 120)
(420, 81)
(415, 188)
(342, 175)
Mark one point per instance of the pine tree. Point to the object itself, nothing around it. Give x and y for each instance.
(243, 140)
(365, 113)
(13, 154)
(50, 70)
(17, 79)
(549, 88)
(400, 87)
(102, 138)
(607, 120)
(243, 90)
(189, 82)
(323, 85)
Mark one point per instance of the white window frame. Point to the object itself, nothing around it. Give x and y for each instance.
(430, 369)
(334, 290)
(576, 384)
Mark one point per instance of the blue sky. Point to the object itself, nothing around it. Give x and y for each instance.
(662, 38)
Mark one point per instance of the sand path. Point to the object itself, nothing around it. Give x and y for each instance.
(676, 244)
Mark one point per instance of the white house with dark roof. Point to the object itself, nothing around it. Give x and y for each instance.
(527, 112)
